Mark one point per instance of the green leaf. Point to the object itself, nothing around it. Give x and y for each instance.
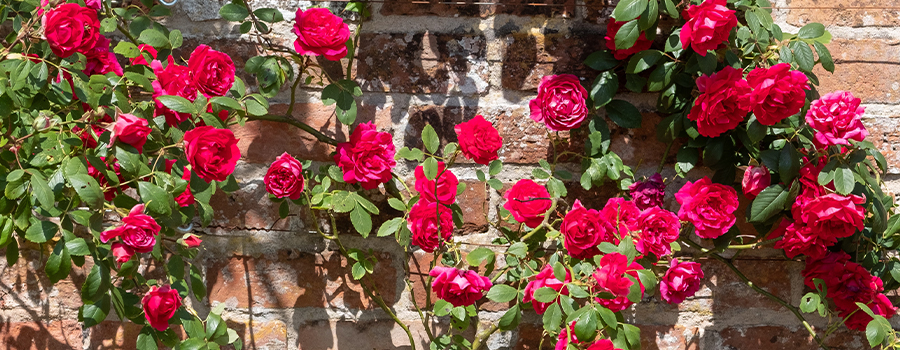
(96, 283)
(154, 38)
(234, 12)
(343, 201)
(518, 249)
(552, 317)
(430, 139)
(803, 55)
(502, 293)
(177, 103)
(145, 339)
(41, 191)
(624, 114)
(844, 180)
(480, 255)
(608, 317)
(649, 17)
(495, 167)
(586, 325)
(442, 307)
(59, 263)
(670, 9)
(556, 188)
(41, 231)
(94, 313)
(227, 102)
(269, 15)
(824, 56)
(707, 63)
(627, 10)
(643, 60)
(788, 163)
(577, 292)
(397, 204)
(390, 227)
(156, 199)
(627, 35)
(175, 38)
(87, 189)
(874, 332)
(768, 203)
(811, 31)
(361, 220)
(215, 326)
(410, 154)
(604, 89)
(545, 295)
(601, 60)
(810, 302)
(108, 25)
(198, 287)
(430, 166)
(510, 320)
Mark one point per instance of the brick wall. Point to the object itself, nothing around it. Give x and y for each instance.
(285, 288)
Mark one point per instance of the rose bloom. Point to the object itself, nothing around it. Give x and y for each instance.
(285, 178)
(710, 207)
(444, 192)
(138, 231)
(659, 228)
(130, 130)
(70, 28)
(836, 119)
(320, 33)
(829, 269)
(545, 278)
(859, 320)
(121, 252)
(833, 216)
(424, 225)
(560, 102)
(562, 341)
(682, 280)
(186, 198)
(722, 103)
(100, 176)
(778, 92)
(610, 277)
(756, 179)
(478, 140)
(213, 153)
(583, 230)
(855, 284)
(522, 203)
(603, 344)
(458, 287)
(707, 26)
(612, 28)
(809, 184)
(142, 59)
(100, 60)
(172, 80)
(621, 214)
(212, 72)
(648, 193)
(368, 158)
(192, 241)
(800, 239)
(160, 304)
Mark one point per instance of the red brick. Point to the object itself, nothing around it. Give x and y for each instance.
(474, 204)
(55, 335)
(833, 13)
(676, 337)
(434, 8)
(640, 145)
(861, 68)
(381, 334)
(115, 335)
(766, 337)
(531, 337)
(510, 7)
(731, 293)
(529, 57)
(248, 208)
(261, 334)
(26, 284)
(296, 279)
(883, 133)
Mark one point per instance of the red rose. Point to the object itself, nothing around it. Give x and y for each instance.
(212, 152)
(92, 132)
(778, 92)
(800, 239)
(659, 228)
(212, 72)
(583, 230)
(100, 60)
(756, 179)
(611, 277)
(142, 58)
(285, 178)
(621, 214)
(160, 304)
(527, 202)
(833, 216)
(192, 241)
(138, 231)
(458, 287)
(603, 344)
(479, 140)
(707, 26)
(560, 102)
(122, 252)
(70, 28)
(829, 269)
(682, 280)
(859, 320)
(186, 198)
(562, 341)
(428, 230)
(320, 33)
(649, 193)
(173, 80)
(836, 119)
(855, 284)
(368, 158)
(130, 130)
(612, 28)
(444, 192)
(100, 176)
(545, 278)
(710, 207)
(722, 103)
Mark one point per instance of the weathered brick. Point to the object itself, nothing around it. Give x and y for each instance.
(866, 68)
(248, 208)
(531, 337)
(675, 337)
(882, 132)
(640, 145)
(381, 334)
(535, 8)
(474, 204)
(528, 57)
(509, 7)
(880, 13)
(296, 279)
(25, 284)
(429, 8)
(598, 10)
(115, 335)
(261, 335)
(53, 335)
(766, 337)
(731, 293)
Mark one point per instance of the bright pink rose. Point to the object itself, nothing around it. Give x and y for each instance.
(710, 207)
(836, 119)
(708, 25)
(583, 230)
(621, 214)
(833, 216)
(212, 72)
(173, 80)
(479, 140)
(320, 33)
(612, 28)
(603, 344)
(528, 202)
(545, 278)
(186, 198)
(722, 103)
(122, 252)
(141, 59)
(778, 92)
(458, 287)
(70, 28)
(285, 178)
(428, 230)
(854, 284)
(193, 241)
(659, 228)
(682, 280)
(444, 192)
(368, 158)
(649, 193)
(100, 60)
(100, 176)
(160, 304)
(213, 153)
(829, 269)
(562, 341)
(138, 231)
(756, 179)
(560, 102)
(611, 277)
(130, 130)
(859, 320)
(800, 239)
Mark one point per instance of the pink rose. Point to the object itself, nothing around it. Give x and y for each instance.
(445, 190)
(778, 92)
(833, 216)
(130, 130)
(855, 284)
(648, 193)
(562, 341)
(545, 278)
(320, 33)
(122, 252)
(100, 176)
(583, 230)
(285, 178)
(682, 280)
(800, 239)
(611, 277)
(612, 28)
(138, 231)
(621, 214)
(560, 102)
(186, 198)
(192, 241)
(722, 103)
(603, 344)
(707, 26)
(213, 153)
(212, 72)
(528, 202)
(458, 287)
(92, 132)
(829, 269)
(659, 228)
(100, 60)
(173, 80)
(709, 207)
(428, 230)
(160, 304)
(859, 320)
(70, 28)
(141, 59)
(836, 119)
(479, 140)
(368, 158)
(756, 179)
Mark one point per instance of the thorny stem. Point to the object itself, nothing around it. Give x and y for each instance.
(303, 126)
(481, 337)
(662, 162)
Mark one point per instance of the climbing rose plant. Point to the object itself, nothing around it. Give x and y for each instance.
(112, 167)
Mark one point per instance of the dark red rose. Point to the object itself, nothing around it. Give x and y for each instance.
(160, 304)
(213, 153)
(70, 28)
(285, 178)
(212, 72)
